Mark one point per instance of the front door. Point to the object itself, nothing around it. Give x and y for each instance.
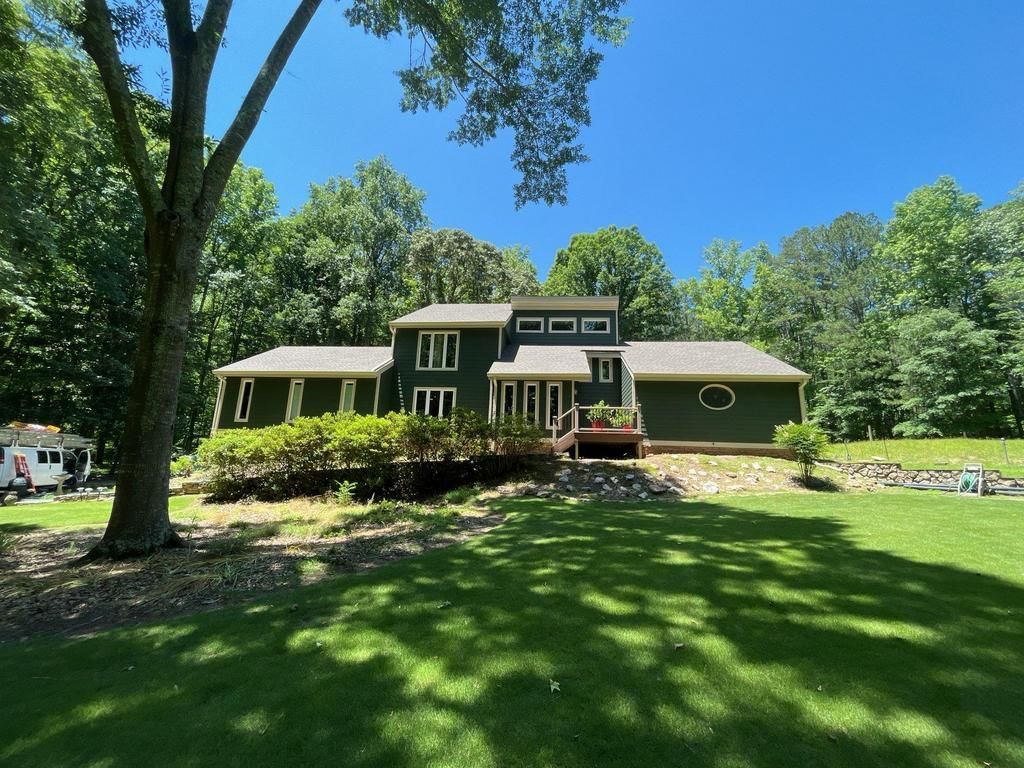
(554, 403)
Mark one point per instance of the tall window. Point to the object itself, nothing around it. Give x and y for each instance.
(531, 396)
(508, 398)
(605, 370)
(295, 399)
(438, 351)
(348, 396)
(554, 409)
(433, 401)
(244, 400)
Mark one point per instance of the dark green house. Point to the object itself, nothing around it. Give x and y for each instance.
(550, 358)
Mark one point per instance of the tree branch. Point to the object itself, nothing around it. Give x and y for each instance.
(230, 147)
(99, 42)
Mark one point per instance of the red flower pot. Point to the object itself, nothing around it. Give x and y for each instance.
(597, 424)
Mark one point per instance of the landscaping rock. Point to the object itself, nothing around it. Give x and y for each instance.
(657, 488)
(9, 500)
(710, 488)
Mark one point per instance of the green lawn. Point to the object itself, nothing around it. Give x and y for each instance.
(25, 517)
(944, 453)
(786, 630)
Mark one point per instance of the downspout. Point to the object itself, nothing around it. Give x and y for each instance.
(803, 402)
(376, 396)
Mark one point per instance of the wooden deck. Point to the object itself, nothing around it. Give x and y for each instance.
(569, 434)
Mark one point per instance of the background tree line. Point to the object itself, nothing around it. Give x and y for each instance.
(914, 326)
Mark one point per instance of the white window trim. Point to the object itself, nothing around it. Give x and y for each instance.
(221, 383)
(291, 394)
(428, 390)
(605, 320)
(712, 408)
(501, 404)
(611, 370)
(431, 333)
(526, 388)
(238, 403)
(341, 400)
(562, 320)
(549, 422)
(519, 321)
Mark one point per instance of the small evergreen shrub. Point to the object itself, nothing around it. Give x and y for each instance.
(807, 442)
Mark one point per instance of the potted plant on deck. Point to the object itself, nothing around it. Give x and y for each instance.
(623, 419)
(599, 414)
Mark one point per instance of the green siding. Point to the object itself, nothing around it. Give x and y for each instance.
(270, 399)
(590, 392)
(672, 411)
(575, 339)
(387, 389)
(478, 349)
(626, 387)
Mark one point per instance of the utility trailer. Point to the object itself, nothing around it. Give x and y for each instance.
(34, 458)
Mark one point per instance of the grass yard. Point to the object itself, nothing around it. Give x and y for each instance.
(940, 453)
(62, 514)
(778, 630)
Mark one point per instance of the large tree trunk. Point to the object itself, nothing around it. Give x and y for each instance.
(139, 523)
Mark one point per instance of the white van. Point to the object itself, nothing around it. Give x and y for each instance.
(29, 459)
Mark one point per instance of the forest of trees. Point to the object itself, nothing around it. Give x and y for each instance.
(912, 326)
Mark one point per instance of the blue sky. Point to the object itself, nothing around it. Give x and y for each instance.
(742, 120)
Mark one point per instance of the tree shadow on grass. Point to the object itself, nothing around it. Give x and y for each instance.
(679, 634)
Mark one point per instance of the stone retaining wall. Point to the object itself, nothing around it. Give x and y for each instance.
(895, 473)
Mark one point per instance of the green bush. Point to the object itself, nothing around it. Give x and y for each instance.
(345, 493)
(807, 442)
(379, 453)
(517, 436)
(183, 466)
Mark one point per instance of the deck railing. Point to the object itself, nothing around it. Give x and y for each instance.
(596, 419)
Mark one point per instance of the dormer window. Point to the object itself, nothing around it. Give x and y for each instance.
(562, 325)
(530, 325)
(595, 325)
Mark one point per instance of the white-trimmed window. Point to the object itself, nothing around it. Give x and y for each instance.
(531, 401)
(562, 325)
(717, 397)
(433, 401)
(244, 404)
(508, 398)
(438, 351)
(596, 325)
(529, 325)
(295, 389)
(605, 370)
(348, 396)
(554, 404)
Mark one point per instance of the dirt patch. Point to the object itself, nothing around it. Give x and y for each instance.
(671, 475)
(236, 553)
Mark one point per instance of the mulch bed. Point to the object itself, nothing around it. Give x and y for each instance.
(42, 592)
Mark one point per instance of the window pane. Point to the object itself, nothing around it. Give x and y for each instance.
(510, 401)
(529, 326)
(531, 401)
(434, 402)
(595, 326)
(563, 325)
(553, 393)
(41, 457)
(245, 397)
(447, 398)
(450, 350)
(296, 404)
(54, 457)
(420, 406)
(425, 350)
(437, 354)
(348, 396)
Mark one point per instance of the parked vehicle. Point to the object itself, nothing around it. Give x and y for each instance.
(34, 458)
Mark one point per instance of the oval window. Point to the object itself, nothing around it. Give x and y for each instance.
(717, 397)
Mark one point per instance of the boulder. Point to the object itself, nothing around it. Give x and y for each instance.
(710, 488)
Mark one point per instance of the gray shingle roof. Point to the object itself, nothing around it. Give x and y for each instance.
(541, 360)
(313, 360)
(457, 314)
(699, 358)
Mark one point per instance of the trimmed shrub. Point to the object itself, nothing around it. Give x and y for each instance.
(398, 455)
(807, 442)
